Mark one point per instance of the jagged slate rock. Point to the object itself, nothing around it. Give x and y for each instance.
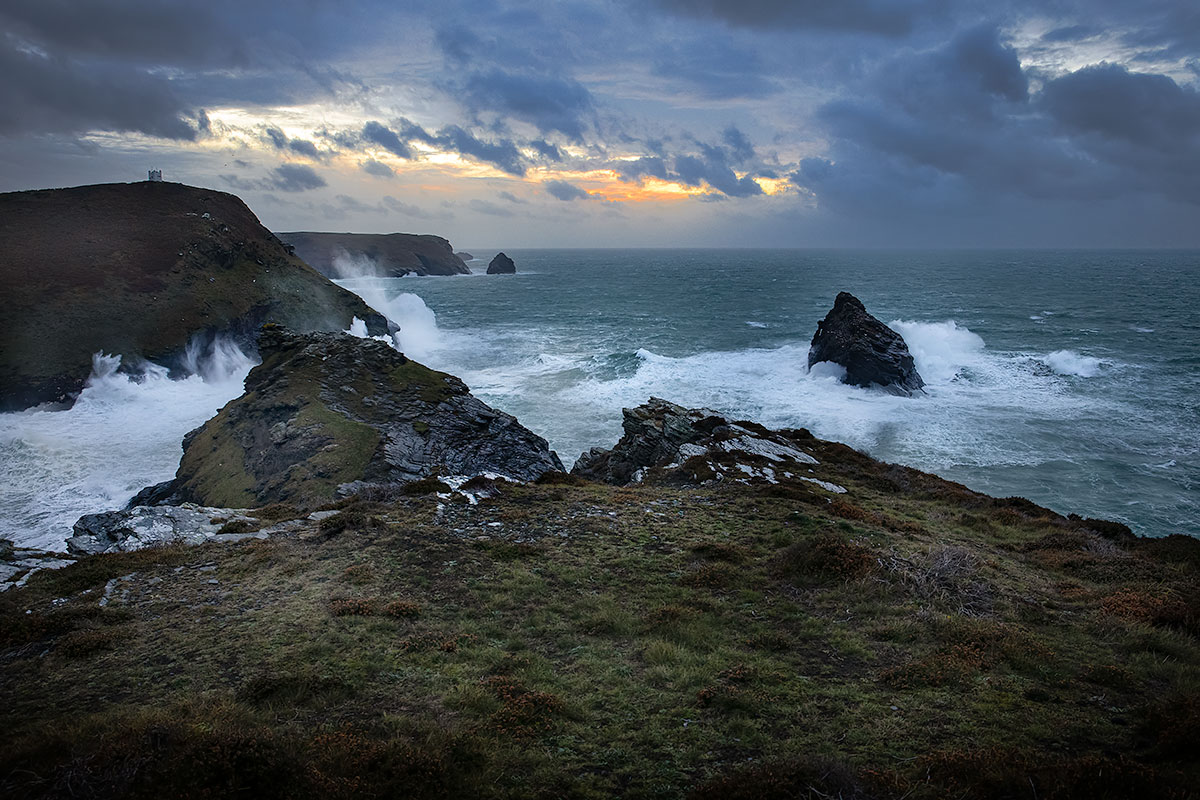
(664, 443)
(328, 409)
(150, 526)
(465, 256)
(160, 494)
(501, 265)
(140, 270)
(872, 353)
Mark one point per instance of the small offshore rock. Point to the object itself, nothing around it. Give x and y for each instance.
(501, 265)
(871, 353)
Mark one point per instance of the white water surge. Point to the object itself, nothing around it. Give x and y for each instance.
(123, 433)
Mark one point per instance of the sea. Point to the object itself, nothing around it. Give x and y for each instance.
(1071, 378)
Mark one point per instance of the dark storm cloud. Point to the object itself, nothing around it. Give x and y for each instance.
(548, 103)
(284, 178)
(47, 94)
(280, 141)
(694, 171)
(1108, 100)
(651, 166)
(295, 178)
(562, 190)
(546, 150)
(715, 69)
(740, 148)
(377, 168)
(885, 17)
(502, 153)
(146, 31)
(385, 137)
(954, 129)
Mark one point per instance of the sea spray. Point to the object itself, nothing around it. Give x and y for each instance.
(124, 432)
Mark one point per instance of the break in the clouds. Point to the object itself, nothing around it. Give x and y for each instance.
(816, 122)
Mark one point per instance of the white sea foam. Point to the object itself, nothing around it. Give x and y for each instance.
(940, 349)
(1068, 362)
(123, 433)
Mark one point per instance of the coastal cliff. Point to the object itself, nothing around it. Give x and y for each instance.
(138, 270)
(390, 255)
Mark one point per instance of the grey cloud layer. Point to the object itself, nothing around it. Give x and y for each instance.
(877, 109)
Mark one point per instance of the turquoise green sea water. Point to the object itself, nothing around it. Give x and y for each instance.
(1069, 377)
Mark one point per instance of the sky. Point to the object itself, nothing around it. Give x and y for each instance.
(629, 123)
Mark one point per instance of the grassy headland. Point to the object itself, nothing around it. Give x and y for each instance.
(907, 639)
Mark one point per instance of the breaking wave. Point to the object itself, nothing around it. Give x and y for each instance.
(123, 433)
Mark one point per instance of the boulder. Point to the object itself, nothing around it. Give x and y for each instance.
(329, 410)
(145, 526)
(666, 444)
(384, 255)
(140, 270)
(871, 353)
(501, 265)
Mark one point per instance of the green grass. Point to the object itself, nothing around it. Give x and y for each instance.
(603, 642)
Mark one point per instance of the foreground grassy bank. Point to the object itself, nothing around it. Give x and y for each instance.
(906, 639)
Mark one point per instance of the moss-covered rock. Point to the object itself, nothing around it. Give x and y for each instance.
(138, 270)
(326, 410)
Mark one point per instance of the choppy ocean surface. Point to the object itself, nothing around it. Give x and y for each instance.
(1069, 377)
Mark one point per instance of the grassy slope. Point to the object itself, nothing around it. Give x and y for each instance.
(137, 269)
(909, 639)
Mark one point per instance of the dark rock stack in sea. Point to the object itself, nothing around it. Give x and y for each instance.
(501, 265)
(327, 413)
(872, 353)
(666, 444)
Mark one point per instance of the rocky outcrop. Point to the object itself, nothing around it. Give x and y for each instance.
(386, 255)
(19, 564)
(501, 265)
(143, 526)
(667, 444)
(465, 256)
(871, 353)
(327, 410)
(139, 270)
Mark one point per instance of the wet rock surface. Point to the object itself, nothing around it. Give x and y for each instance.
(325, 410)
(501, 265)
(667, 444)
(871, 353)
(146, 526)
(18, 564)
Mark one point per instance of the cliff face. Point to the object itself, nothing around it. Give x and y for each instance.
(138, 269)
(393, 254)
(325, 410)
